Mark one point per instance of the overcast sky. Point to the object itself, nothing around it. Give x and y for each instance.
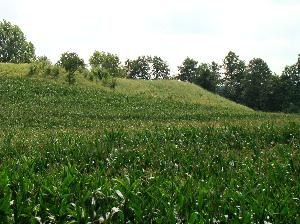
(171, 29)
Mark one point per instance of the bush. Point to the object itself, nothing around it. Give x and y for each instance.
(100, 73)
(110, 82)
(54, 71)
(84, 72)
(33, 69)
(43, 66)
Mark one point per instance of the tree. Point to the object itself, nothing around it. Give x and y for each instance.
(275, 94)
(139, 68)
(13, 45)
(234, 72)
(288, 91)
(105, 64)
(160, 69)
(257, 84)
(208, 76)
(298, 66)
(188, 70)
(71, 62)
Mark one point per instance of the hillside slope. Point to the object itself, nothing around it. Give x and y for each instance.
(166, 89)
(49, 103)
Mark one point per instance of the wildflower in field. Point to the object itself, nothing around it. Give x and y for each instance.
(114, 210)
(38, 219)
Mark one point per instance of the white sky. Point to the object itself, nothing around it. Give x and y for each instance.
(171, 29)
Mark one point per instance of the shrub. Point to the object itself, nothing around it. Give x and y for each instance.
(54, 71)
(100, 73)
(110, 82)
(43, 66)
(33, 69)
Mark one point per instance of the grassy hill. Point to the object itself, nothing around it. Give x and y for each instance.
(145, 152)
(45, 103)
(167, 89)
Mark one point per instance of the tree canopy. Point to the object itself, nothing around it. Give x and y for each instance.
(208, 76)
(188, 70)
(234, 72)
(14, 47)
(138, 68)
(105, 64)
(257, 84)
(160, 68)
(71, 62)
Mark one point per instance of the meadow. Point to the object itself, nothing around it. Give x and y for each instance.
(145, 152)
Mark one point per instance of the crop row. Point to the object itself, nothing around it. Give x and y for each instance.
(28, 103)
(208, 174)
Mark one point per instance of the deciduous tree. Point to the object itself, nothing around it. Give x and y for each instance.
(160, 68)
(234, 72)
(139, 68)
(14, 47)
(105, 64)
(71, 62)
(188, 71)
(208, 76)
(257, 84)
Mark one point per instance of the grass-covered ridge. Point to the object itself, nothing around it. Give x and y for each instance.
(167, 89)
(145, 152)
(43, 103)
(32, 103)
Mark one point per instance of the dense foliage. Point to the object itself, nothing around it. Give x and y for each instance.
(146, 67)
(14, 47)
(208, 76)
(234, 74)
(71, 62)
(43, 66)
(104, 65)
(253, 85)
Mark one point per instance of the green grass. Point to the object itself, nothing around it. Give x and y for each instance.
(146, 152)
(172, 90)
(14, 69)
(228, 174)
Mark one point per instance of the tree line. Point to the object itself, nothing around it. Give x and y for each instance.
(252, 84)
